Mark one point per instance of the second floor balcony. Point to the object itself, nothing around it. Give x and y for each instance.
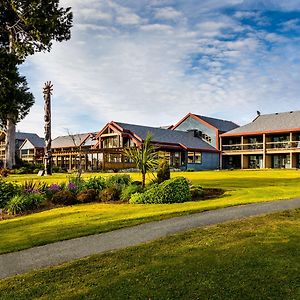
(250, 147)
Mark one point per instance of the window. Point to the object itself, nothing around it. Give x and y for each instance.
(194, 157)
(198, 158)
(190, 157)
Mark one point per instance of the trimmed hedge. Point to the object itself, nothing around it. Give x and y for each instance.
(129, 190)
(174, 190)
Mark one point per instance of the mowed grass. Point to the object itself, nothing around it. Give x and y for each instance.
(257, 258)
(69, 222)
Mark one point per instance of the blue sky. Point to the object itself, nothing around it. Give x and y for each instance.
(153, 61)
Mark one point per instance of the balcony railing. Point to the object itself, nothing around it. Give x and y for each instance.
(285, 145)
(243, 147)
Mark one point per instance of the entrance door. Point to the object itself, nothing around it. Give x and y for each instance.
(281, 161)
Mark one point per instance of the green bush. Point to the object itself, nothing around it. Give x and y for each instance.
(25, 202)
(7, 191)
(174, 190)
(76, 184)
(24, 170)
(197, 192)
(111, 193)
(122, 179)
(56, 169)
(87, 195)
(129, 190)
(95, 183)
(64, 198)
(163, 171)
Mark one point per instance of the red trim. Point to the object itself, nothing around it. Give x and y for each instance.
(218, 139)
(117, 126)
(203, 122)
(110, 125)
(84, 140)
(260, 132)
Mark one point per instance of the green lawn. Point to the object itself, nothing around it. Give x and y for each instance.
(258, 258)
(68, 222)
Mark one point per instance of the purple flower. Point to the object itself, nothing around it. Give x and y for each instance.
(31, 191)
(72, 186)
(54, 188)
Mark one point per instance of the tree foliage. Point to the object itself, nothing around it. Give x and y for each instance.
(145, 157)
(33, 25)
(15, 98)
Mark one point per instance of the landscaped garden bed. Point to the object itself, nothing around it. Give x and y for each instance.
(17, 200)
(66, 222)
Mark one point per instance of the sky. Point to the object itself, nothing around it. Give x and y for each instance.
(151, 62)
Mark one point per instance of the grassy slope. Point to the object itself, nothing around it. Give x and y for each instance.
(257, 258)
(68, 222)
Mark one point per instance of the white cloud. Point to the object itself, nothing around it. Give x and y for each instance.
(168, 13)
(131, 68)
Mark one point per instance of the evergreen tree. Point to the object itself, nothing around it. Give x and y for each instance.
(15, 98)
(26, 27)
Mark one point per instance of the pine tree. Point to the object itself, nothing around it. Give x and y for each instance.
(26, 27)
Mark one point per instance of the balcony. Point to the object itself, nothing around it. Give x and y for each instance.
(252, 147)
(285, 145)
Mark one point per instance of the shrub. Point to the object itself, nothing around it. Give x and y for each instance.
(64, 198)
(122, 179)
(174, 190)
(163, 172)
(52, 189)
(75, 185)
(56, 169)
(7, 191)
(23, 170)
(129, 190)
(95, 183)
(111, 193)
(196, 192)
(4, 172)
(30, 186)
(22, 203)
(87, 195)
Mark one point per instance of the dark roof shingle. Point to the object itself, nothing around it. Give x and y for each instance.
(270, 122)
(160, 135)
(222, 125)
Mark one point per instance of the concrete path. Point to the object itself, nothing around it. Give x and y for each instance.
(65, 251)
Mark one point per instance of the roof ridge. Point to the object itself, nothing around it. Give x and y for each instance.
(214, 118)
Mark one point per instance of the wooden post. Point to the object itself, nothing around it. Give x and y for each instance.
(48, 88)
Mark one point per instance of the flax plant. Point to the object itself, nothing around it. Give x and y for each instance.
(145, 157)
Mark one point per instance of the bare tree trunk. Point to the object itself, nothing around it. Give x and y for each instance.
(10, 147)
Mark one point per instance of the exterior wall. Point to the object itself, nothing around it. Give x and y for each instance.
(210, 161)
(190, 123)
(273, 150)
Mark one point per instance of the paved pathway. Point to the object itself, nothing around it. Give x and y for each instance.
(60, 252)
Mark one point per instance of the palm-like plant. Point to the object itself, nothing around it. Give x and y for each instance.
(145, 157)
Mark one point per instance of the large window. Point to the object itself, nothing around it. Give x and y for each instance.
(194, 157)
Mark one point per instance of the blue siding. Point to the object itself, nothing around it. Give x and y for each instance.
(210, 161)
(191, 123)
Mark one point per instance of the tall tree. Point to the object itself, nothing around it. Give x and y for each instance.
(15, 98)
(26, 27)
(145, 157)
